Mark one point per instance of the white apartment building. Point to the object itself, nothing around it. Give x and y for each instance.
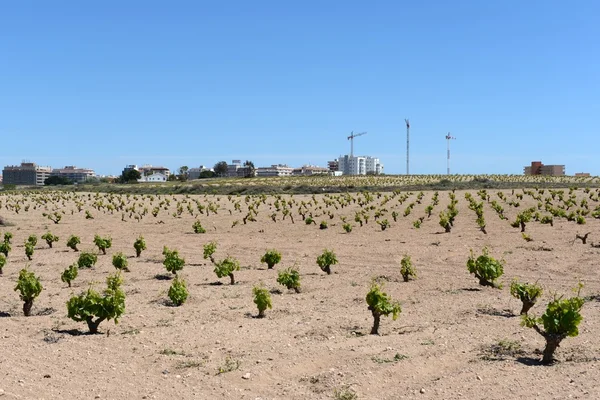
(275, 170)
(359, 165)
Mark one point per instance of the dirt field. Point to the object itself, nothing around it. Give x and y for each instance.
(312, 345)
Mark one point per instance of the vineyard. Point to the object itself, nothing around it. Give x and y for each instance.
(390, 293)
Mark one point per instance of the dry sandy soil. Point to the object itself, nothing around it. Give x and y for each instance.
(312, 345)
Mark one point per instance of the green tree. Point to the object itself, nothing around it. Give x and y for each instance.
(57, 180)
(207, 174)
(221, 168)
(183, 173)
(251, 171)
(131, 176)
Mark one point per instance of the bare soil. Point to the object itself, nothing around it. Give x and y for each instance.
(449, 342)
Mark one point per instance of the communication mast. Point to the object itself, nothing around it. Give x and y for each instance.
(448, 137)
(351, 139)
(407, 144)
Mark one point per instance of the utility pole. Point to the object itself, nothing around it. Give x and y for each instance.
(448, 137)
(351, 139)
(407, 144)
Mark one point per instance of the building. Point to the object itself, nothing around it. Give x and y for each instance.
(333, 166)
(537, 168)
(27, 173)
(582, 174)
(359, 165)
(194, 173)
(147, 169)
(73, 173)
(310, 170)
(237, 170)
(275, 170)
(156, 177)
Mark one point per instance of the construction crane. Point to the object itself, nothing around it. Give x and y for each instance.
(351, 139)
(448, 138)
(407, 143)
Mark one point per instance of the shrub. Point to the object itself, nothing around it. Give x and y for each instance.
(381, 304)
(547, 219)
(2, 263)
(445, 222)
(29, 287)
(50, 238)
(326, 260)
(32, 239)
(69, 274)
(56, 217)
(5, 248)
(90, 304)
(485, 268)
(227, 267)
(87, 260)
(309, 221)
(197, 227)
(178, 292)
(209, 250)
(347, 227)
(102, 243)
(527, 293)
(262, 299)
(8, 237)
(139, 245)
(407, 270)
(73, 242)
(119, 261)
(290, 278)
(173, 263)
(561, 319)
(323, 225)
(271, 257)
(29, 250)
(383, 224)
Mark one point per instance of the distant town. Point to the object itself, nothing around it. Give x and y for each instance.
(31, 174)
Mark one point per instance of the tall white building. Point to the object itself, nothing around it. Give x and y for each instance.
(360, 165)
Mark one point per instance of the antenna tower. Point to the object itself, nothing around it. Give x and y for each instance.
(448, 138)
(407, 144)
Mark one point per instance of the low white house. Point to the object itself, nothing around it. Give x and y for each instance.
(156, 177)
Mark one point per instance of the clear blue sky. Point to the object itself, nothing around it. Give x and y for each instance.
(104, 84)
